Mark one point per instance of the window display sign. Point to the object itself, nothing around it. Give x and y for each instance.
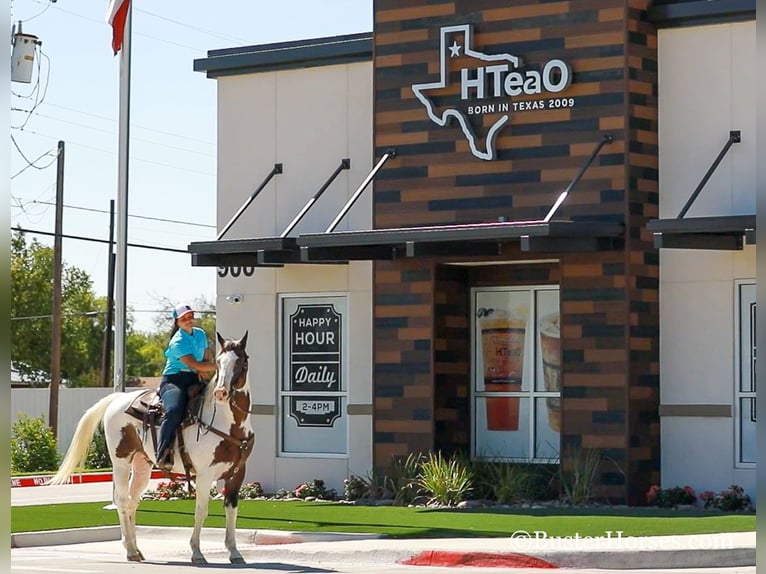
(315, 332)
(517, 373)
(313, 387)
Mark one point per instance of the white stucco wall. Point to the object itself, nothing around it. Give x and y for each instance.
(706, 88)
(308, 120)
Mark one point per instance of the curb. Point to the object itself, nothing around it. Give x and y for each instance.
(69, 536)
(90, 477)
(245, 537)
(313, 547)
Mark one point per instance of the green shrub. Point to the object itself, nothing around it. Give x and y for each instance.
(33, 445)
(98, 455)
(356, 487)
(670, 497)
(507, 483)
(314, 488)
(446, 481)
(733, 498)
(576, 473)
(403, 482)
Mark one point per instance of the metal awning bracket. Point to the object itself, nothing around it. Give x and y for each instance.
(276, 170)
(607, 138)
(344, 164)
(735, 136)
(386, 156)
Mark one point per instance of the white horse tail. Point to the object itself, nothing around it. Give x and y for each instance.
(83, 434)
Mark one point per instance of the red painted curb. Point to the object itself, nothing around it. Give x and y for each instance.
(477, 559)
(78, 478)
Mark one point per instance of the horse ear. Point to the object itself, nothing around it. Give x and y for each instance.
(221, 340)
(243, 340)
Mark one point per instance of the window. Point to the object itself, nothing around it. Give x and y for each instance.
(744, 400)
(516, 373)
(313, 389)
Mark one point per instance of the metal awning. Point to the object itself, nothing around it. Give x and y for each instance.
(463, 240)
(477, 239)
(725, 232)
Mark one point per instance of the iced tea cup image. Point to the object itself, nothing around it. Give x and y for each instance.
(502, 344)
(550, 348)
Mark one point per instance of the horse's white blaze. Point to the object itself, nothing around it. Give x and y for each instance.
(132, 453)
(226, 365)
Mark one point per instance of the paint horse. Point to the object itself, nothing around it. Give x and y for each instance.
(218, 446)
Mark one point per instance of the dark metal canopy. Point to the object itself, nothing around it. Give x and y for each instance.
(483, 239)
(726, 232)
(476, 239)
(729, 232)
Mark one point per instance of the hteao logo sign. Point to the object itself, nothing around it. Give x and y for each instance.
(488, 82)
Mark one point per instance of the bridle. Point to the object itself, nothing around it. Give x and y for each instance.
(245, 445)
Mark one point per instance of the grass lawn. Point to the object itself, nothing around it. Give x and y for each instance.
(397, 522)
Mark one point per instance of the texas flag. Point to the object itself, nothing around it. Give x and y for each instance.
(116, 12)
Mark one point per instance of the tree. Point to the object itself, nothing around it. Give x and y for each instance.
(82, 323)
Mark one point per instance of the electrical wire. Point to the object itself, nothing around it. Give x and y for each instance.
(132, 125)
(187, 150)
(32, 163)
(133, 216)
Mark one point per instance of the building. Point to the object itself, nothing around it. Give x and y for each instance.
(511, 230)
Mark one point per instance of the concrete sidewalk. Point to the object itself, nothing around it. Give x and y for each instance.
(608, 552)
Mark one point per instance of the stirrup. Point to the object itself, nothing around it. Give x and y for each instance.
(165, 462)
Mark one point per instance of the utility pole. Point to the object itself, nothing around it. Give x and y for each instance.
(107, 351)
(53, 409)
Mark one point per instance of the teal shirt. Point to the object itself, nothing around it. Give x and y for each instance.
(182, 344)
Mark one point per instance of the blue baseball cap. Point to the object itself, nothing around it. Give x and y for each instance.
(181, 310)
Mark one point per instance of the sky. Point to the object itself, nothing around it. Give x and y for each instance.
(73, 96)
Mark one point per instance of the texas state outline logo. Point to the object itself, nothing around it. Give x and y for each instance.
(503, 76)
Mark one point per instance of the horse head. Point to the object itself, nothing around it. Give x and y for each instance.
(232, 367)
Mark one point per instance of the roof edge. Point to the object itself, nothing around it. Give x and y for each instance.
(287, 55)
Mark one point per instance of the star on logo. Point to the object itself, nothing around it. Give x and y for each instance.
(420, 90)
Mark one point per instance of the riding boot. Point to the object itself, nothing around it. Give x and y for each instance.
(165, 460)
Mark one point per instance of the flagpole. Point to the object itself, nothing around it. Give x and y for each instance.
(121, 268)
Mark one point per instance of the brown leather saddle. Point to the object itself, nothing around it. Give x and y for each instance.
(147, 408)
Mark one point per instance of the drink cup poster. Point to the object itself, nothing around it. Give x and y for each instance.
(313, 375)
(516, 372)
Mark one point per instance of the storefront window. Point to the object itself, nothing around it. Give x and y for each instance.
(313, 388)
(516, 373)
(745, 395)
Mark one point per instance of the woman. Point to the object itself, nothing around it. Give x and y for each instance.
(188, 356)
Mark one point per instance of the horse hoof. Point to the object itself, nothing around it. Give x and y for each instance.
(136, 557)
(200, 560)
(237, 560)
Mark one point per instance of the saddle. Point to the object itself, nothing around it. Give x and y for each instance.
(147, 407)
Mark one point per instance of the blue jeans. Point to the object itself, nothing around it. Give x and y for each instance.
(174, 394)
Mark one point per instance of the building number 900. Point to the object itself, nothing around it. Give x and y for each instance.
(236, 271)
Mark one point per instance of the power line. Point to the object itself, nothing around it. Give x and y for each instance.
(134, 216)
(49, 316)
(154, 142)
(134, 158)
(95, 240)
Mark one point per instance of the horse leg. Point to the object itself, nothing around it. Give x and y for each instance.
(202, 499)
(139, 481)
(121, 495)
(231, 500)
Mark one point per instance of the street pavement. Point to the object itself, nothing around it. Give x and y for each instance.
(520, 550)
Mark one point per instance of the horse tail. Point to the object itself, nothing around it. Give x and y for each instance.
(83, 434)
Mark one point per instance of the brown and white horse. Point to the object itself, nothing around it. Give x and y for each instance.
(218, 446)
